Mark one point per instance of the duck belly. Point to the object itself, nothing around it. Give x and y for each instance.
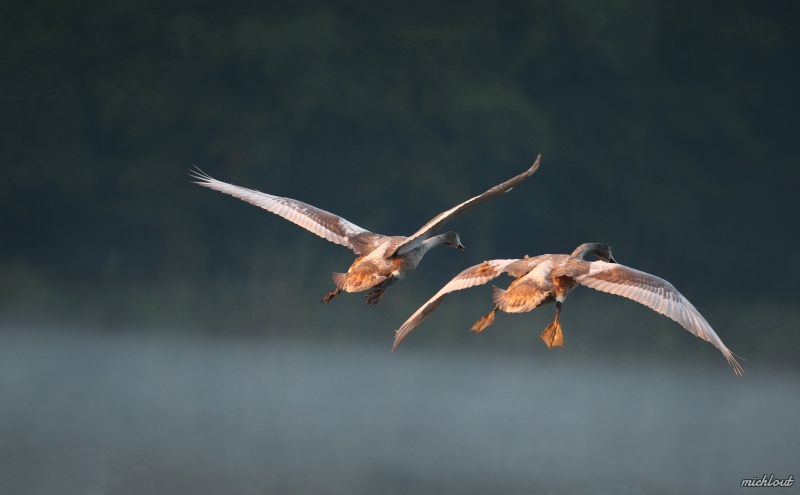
(562, 286)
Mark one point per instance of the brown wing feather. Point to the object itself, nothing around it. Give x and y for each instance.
(475, 275)
(525, 265)
(326, 225)
(442, 218)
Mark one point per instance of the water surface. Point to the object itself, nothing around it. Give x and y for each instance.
(87, 412)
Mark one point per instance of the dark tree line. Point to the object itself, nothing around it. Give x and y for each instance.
(668, 129)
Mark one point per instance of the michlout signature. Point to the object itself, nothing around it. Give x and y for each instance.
(768, 481)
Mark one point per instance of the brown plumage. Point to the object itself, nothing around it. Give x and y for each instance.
(383, 260)
(551, 277)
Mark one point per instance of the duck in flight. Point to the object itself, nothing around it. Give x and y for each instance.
(382, 260)
(550, 277)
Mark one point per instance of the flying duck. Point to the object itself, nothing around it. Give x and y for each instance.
(550, 277)
(382, 260)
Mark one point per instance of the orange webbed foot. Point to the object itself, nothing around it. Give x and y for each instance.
(484, 322)
(552, 335)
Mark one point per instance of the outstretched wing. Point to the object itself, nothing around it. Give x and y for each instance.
(476, 275)
(326, 225)
(442, 218)
(655, 293)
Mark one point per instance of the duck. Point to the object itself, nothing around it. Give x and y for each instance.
(550, 278)
(382, 260)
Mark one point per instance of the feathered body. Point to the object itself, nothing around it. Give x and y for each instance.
(380, 270)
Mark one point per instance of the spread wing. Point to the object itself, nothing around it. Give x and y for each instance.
(326, 225)
(476, 275)
(655, 293)
(442, 218)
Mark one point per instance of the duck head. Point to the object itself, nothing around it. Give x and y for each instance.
(604, 253)
(453, 240)
(599, 249)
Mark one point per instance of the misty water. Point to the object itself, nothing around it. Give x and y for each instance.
(140, 412)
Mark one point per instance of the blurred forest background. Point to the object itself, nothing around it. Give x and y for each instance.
(669, 129)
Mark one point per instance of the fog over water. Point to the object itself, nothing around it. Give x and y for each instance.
(138, 412)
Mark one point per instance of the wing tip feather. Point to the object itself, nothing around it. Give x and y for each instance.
(731, 357)
(199, 175)
(536, 164)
